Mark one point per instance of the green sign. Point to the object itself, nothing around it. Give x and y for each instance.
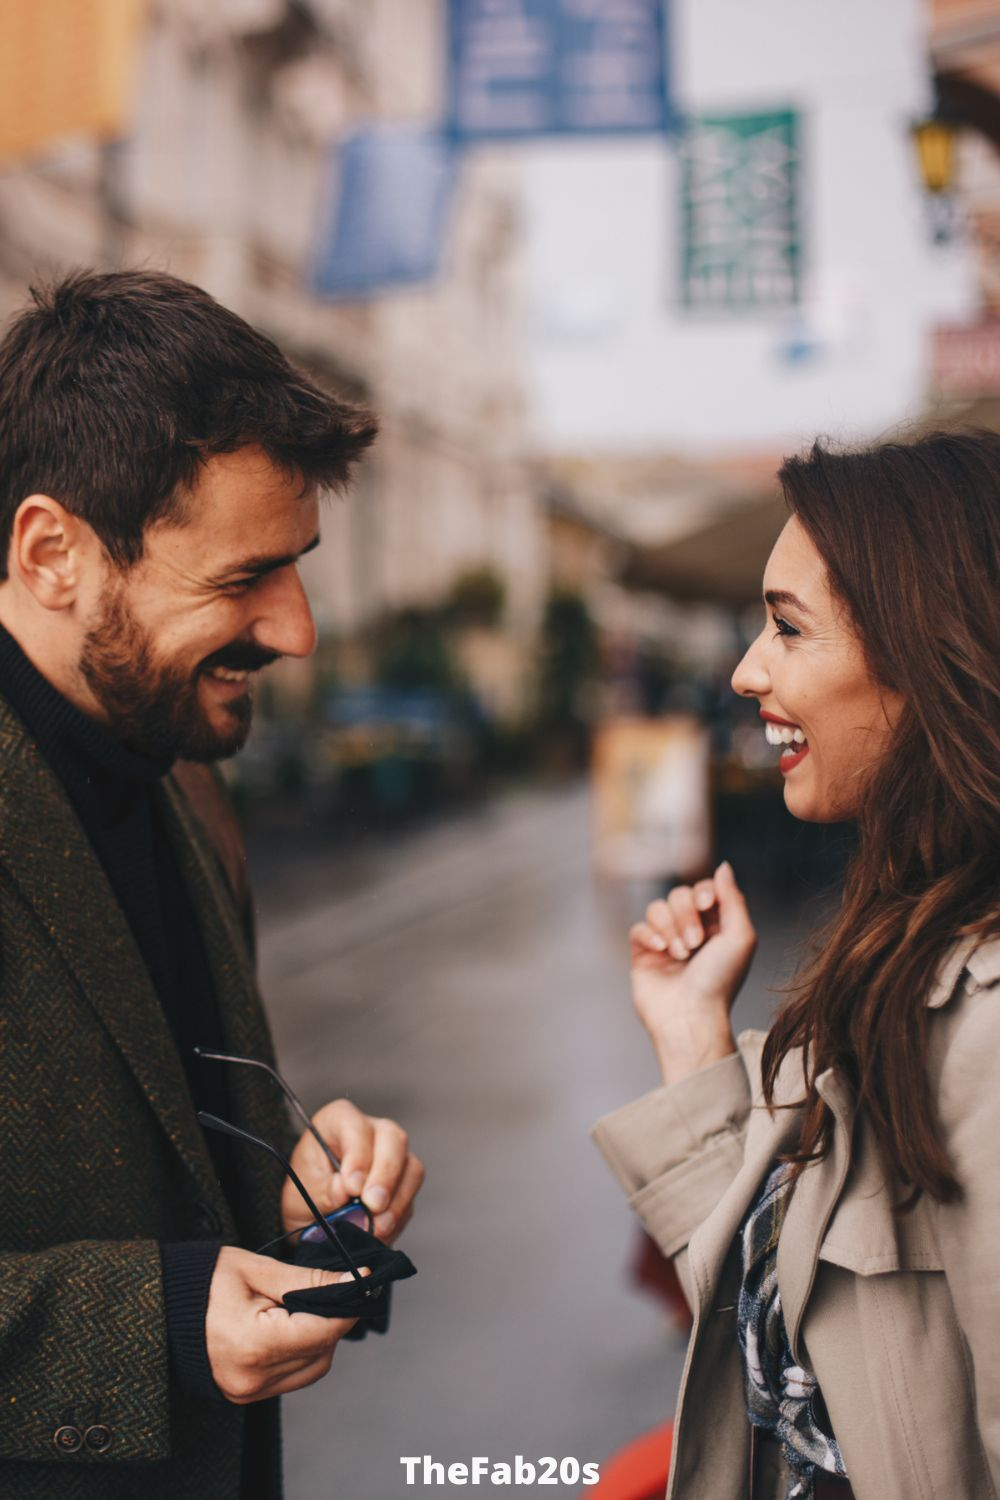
(740, 212)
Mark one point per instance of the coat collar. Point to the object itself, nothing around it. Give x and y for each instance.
(48, 857)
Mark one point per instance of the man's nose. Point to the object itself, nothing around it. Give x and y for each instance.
(285, 623)
(750, 679)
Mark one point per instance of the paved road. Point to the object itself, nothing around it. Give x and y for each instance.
(471, 982)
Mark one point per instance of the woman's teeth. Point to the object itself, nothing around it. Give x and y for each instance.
(783, 734)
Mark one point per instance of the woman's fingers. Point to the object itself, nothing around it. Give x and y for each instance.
(644, 939)
(682, 921)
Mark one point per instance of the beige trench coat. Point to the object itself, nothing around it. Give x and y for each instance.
(898, 1316)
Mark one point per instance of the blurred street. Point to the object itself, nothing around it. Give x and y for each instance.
(471, 982)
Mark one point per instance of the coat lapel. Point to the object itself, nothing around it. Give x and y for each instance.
(809, 1210)
(767, 1136)
(257, 1104)
(49, 858)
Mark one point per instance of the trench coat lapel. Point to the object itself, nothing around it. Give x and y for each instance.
(49, 858)
(811, 1205)
(767, 1136)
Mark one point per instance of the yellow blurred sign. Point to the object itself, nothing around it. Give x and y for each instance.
(66, 68)
(651, 798)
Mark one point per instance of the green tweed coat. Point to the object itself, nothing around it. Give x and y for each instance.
(102, 1157)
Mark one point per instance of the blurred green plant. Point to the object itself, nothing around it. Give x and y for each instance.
(411, 650)
(568, 664)
(476, 597)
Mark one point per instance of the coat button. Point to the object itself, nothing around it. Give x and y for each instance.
(98, 1438)
(68, 1439)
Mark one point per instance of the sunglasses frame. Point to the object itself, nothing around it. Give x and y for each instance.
(324, 1222)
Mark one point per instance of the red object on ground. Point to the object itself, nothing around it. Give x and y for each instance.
(639, 1470)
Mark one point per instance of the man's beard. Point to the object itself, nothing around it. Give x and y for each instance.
(153, 707)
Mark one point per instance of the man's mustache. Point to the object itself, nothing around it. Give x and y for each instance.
(241, 656)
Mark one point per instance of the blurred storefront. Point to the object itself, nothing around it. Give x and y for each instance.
(960, 158)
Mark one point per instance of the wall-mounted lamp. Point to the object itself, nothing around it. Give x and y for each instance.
(934, 139)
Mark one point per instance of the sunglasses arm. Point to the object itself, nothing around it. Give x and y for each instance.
(214, 1123)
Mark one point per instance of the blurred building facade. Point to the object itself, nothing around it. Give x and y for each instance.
(220, 178)
(964, 56)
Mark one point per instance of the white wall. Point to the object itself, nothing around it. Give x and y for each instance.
(617, 363)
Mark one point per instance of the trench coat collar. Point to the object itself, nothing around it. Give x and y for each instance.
(48, 857)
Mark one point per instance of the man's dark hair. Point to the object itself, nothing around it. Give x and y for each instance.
(115, 388)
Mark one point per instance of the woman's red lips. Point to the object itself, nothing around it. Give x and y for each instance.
(773, 719)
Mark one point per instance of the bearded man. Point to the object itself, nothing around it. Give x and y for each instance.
(161, 466)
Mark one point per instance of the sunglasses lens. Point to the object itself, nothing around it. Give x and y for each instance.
(351, 1213)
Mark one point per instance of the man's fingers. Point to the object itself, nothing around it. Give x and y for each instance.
(400, 1209)
(350, 1135)
(390, 1154)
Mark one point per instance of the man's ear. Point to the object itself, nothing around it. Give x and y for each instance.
(49, 549)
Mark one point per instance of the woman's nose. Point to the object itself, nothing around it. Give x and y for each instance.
(750, 679)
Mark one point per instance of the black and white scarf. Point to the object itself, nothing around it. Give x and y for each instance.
(781, 1395)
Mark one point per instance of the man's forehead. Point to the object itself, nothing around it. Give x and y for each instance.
(242, 507)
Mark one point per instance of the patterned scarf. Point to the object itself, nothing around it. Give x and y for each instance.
(780, 1394)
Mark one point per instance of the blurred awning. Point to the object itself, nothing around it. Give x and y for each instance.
(67, 67)
(696, 532)
(722, 561)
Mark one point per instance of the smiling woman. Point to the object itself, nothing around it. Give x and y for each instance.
(830, 1191)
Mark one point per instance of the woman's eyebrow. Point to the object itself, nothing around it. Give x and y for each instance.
(782, 596)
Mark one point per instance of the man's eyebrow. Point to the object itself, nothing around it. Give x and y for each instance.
(782, 596)
(265, 563)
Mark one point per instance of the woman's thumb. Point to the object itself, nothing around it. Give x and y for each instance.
(733, 915)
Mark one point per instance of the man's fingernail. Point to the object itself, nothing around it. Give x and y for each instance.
(356, 1182)
(678, 949)
(385, 1223)
(376, 1199)
(347, 1276)
(704, 900)
(692, 936)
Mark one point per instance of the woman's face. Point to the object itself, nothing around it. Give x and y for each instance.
(808, 670)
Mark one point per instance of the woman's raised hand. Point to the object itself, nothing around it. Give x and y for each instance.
(689, 958)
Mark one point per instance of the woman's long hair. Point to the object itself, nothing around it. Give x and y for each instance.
(910, 535)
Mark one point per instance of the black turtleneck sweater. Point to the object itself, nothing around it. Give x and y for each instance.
(112, 790)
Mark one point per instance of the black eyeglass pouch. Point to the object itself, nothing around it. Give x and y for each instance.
(347, 1299)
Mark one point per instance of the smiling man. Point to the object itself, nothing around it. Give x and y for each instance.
(161, 467)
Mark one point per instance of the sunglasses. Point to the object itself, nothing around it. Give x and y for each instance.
(324, 1226)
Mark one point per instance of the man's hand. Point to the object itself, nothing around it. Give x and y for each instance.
(256, 1348)
(376, 1165)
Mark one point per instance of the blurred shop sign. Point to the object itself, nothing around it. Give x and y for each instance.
(651, 798)
(742, 245)
(967, 360)
(386, 218)
(551, 67)
(66, 68)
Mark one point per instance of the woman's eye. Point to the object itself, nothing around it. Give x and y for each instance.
(783, 626)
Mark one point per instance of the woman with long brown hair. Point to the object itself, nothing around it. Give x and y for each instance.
(830, 1191)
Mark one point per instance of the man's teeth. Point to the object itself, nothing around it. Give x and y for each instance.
(783, 734)
(224, 675)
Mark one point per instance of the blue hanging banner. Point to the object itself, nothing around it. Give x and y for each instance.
(386, 222)
(554, 67)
